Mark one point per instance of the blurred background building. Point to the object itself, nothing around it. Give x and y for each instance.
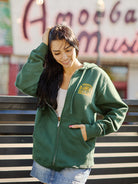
(108, 37)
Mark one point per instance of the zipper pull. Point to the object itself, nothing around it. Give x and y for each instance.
(58, 124)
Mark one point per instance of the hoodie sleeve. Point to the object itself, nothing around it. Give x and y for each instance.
(110, 105)
(27, 79)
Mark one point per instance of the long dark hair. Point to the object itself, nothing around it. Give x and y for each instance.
(52, 75)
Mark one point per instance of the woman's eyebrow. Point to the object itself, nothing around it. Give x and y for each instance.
(67, 47)
(56, 50)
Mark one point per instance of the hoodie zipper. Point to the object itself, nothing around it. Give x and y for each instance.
(57, 137)
(58, 124)
(57, 140)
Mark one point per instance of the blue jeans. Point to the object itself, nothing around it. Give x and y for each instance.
(65, 176)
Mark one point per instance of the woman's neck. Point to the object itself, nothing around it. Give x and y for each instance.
(70, 70)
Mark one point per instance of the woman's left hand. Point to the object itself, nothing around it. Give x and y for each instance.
(83, 130)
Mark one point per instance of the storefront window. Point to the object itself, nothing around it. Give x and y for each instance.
(118, 75)
(4, 75)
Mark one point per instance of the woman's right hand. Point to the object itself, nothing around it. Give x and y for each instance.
(46, 35)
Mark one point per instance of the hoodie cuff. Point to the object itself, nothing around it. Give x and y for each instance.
(42, 49)
(93, 131)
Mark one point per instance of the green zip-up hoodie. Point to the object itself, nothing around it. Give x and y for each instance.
(90, 92)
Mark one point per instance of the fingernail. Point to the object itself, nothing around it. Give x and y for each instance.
(70, 126)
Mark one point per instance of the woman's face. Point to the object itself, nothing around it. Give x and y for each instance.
(63, 53)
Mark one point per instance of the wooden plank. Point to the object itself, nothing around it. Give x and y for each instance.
(117, 139)
(115, 144)
(16, 157)
(128, 128)
(113, 179)
(18, 99)
(19, 181)
(10, 129)
(126, 154)
(17, 117)
(16, 106)
(131, 118)
(16, 139)
(115, 165)
(116, 149)
(111, 160)
(14, 174)
(17, 162)
(16, 122)
(16, 145)
(26, 180)
(131, 102)
(133, 108)
(20, 168)
(18, 103)
(101, 171)
(15, 151)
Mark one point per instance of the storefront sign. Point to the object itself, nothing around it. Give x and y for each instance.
(119, 27)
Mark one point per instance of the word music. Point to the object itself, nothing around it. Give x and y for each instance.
(89, 40)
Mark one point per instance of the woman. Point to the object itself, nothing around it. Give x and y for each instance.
(70, 94)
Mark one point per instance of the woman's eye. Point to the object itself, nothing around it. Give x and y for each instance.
(57, 54)
(68, 50)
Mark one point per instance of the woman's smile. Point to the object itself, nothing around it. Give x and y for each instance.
(63, 53)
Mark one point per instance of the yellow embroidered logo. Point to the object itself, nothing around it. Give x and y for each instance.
(85, 89)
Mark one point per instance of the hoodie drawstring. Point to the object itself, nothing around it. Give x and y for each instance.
(70, 111)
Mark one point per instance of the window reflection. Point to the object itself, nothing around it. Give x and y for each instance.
(118, 75)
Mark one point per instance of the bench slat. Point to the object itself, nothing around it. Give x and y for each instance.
(16, 139)
(116, 149)
(18, 99)
(117, 139)
(113, 180)
(9, 129)
(16, 106)
(17, 117)
(102, 160)
(15, 151)
(14, 174)
(17, 162)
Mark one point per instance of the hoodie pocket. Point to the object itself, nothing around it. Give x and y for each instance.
(72, 139)
(80, 136)
(72, 149)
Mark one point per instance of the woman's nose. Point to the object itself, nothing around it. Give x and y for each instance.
(64, 56)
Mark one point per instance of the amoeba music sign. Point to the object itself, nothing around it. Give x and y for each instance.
(119, 28)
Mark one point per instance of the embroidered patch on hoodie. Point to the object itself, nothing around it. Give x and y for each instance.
(85, 89)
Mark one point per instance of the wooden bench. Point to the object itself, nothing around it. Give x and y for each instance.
(116, 155)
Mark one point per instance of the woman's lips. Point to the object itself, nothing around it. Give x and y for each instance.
(65, 63)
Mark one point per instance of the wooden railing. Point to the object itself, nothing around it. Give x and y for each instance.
(116, 155)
